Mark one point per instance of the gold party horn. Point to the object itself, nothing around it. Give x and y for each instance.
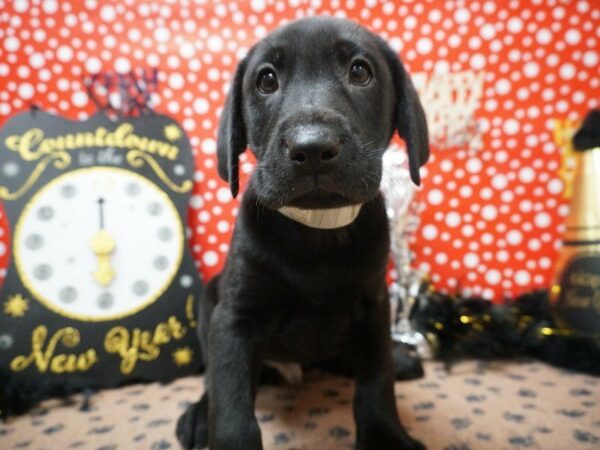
(576, 291)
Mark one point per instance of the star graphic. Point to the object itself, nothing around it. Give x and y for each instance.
(172, 132)
(183, 356)
(16, 306)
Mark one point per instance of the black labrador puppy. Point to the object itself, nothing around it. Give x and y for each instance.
(317, 102)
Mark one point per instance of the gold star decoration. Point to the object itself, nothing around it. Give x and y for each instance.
(16, 305)
(172, 132)
(183, 356)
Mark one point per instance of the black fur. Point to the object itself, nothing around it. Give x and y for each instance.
(293, 293)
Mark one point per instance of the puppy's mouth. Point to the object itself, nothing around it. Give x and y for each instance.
(321, 199)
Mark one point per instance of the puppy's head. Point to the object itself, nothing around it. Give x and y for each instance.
(318, 101)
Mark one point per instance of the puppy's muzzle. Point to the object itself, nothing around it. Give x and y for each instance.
(313, 148)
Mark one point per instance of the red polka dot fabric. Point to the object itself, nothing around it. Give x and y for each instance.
(501, 82)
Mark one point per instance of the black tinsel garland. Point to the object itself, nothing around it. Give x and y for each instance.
(523, 328)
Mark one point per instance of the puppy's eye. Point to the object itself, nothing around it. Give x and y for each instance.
(360, 73)
(267, 81)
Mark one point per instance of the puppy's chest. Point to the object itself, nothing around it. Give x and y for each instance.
(312, 333)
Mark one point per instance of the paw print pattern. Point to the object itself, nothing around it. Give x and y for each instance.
(473, 407)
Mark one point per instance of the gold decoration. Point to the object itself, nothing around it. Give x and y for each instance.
(563, 131)
(189, 310)
(137, 158)
(16, 305)
(33, 145)
(61, 160)
(141, 345)
(183, 356)
(103, 245)
(44, 357)
(172, 132)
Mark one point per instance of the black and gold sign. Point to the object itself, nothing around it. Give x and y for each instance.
(576, 292)
(101, 285)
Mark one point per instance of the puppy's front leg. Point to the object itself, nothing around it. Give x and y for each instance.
(377, 424)
(234, 366)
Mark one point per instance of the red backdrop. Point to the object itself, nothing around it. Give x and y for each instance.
(504, 83)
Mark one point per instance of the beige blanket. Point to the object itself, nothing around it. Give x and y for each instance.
(476, 406)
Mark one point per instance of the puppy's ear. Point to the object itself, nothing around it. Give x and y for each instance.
(231, 141)
(409, 116)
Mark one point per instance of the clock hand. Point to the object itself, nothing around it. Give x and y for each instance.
(103, 245)
(101, 210)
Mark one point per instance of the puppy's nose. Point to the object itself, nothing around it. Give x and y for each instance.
(313, 148)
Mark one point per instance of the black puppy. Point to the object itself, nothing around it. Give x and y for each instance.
(317, 101)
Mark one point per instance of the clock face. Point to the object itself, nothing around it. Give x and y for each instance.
(98, 243)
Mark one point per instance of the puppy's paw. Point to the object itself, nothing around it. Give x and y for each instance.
(410, 444)
(394, 439)
(192, 427)
(416, 445)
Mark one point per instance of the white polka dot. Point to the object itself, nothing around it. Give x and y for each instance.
(435, 197)
(26, 91)
(471, 260)
(499, 181)
(543, 36)
(453, 219)
(2, 248)
(522, 277)
(567, 71)
(176, 81)
(474, 165)
(493, 277)
(514, 237)
(542, 220)
(510, 126)
(441, 258)
(462, 15)
(430, 232)
(590, 58)
(187, 50)
(201, 106)
(215, 44)
(258, 5)
(122, 65)
(489, 212)
(572, 36)
(526, 174)
(488, 31)
(467, 230)
(107, 13)
(555, 186)
(210, 258)
(196, 202)
(20, 6)
(37, 60)
(209, 146)
(11, 44)
(50, 6)
(93, 65)
(477, 61)
(224, 195)
(502, 86)
(531, 69)
(534, 245)
(64, 53)
(424, 46)
(162, 34)
(514, 25)
(223, 226)
(79, 99)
